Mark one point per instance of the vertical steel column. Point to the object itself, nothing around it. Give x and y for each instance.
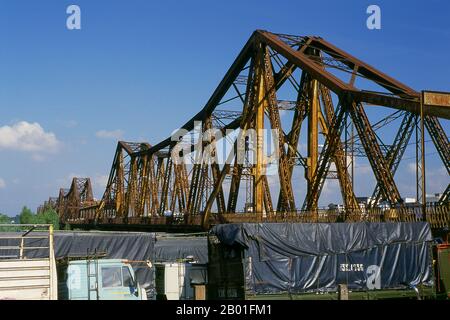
(422, 138)
(154, 181)
(417, 145)
(130, 199)
(119, 184)
(259, 127)
(214, 162)
(352, 152)
(248, 179)
(313, 134)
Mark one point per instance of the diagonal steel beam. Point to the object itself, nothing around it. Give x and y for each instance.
(377, 161)
(338, 157)
(396, 152)
(329, 148)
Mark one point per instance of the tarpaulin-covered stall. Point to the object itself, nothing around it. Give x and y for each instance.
(296, 258)
(175, 248)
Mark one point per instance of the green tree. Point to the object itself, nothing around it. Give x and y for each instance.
(26, 216)
(4, 219)
(17, 219)
(49, 216)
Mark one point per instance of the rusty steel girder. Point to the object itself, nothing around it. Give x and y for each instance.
(71, 201)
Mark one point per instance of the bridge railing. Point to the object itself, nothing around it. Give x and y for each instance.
(437, 215)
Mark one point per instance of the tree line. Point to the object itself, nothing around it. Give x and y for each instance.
(26, 216)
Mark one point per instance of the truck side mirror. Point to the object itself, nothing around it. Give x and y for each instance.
(136, 288)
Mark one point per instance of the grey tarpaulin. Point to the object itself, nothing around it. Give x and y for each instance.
(306, 257)
(117, 245)
(134, 246)
(171, 249)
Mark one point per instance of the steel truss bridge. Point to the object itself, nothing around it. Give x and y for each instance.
(329, 97)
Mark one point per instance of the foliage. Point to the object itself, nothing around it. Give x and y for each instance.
(48, 216)
(4, 219)
(26, 216)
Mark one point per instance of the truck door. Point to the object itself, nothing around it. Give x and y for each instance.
(130, 284)
(117, 283)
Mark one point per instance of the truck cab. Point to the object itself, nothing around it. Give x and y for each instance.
(99, 279)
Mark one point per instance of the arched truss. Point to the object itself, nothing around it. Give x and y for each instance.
(70, 201)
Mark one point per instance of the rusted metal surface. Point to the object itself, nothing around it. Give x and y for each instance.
(147, 186)
(439, 99)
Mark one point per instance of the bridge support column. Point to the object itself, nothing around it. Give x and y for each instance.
(313, 134)
(259, 127)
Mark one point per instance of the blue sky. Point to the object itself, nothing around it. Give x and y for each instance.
(138, 69)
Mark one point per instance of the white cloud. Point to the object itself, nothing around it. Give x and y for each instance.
(28, 137)
(113, 134)
(2, 184)
(100, 181)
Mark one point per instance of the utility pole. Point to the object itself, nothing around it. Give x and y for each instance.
(429, 99)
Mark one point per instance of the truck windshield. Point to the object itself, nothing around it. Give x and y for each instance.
(127, 278)
(111, 277)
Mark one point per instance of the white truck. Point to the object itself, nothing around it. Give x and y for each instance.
(29, 271)
(23, 278)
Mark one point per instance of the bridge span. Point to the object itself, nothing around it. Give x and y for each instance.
(323, 108)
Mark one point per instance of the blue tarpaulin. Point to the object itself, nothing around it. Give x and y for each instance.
(311, 257)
